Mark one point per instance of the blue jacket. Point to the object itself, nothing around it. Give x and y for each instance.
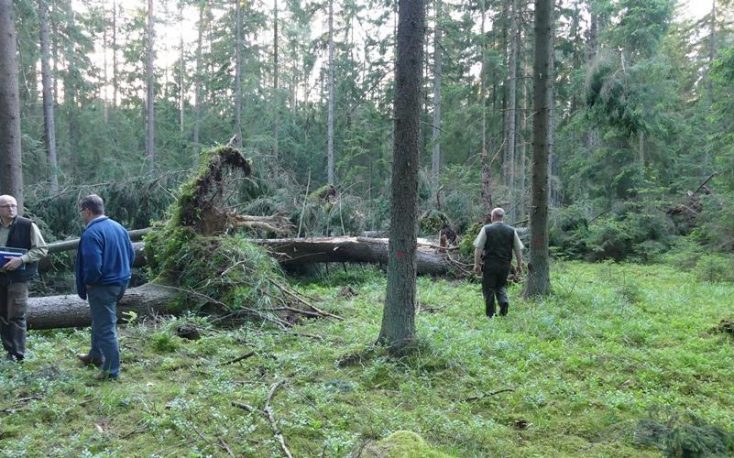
(105, 255)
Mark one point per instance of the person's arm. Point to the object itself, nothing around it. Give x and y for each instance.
(517, 247)
(38, 250)
(91, 246)
(477, 261)
(478, 248)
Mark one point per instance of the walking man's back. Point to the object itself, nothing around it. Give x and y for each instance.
(493, 249)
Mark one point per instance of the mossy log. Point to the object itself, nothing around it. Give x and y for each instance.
(300, 251)
(69, 311)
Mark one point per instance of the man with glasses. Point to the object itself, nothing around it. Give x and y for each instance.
(103, 268)
(16, 271)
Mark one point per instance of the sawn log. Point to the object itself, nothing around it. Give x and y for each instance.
(69, 311)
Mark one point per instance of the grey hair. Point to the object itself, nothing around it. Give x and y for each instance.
(93, 203)
(498, 213)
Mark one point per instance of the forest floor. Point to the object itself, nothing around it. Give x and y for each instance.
(622, 360)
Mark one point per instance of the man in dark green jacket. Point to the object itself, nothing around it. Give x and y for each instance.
(20, 235)
(493, 250)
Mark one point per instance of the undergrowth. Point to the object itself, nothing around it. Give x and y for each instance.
(622, 360)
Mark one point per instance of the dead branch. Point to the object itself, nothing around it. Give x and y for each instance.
(486, 395)
(271, 418)
(238, 359)
(704, 182)
(243, 406)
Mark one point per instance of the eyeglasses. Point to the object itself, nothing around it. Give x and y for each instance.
(9, 206)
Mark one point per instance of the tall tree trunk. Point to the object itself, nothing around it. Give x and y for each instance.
(398, 319)
(181, 82)
(510, 109)
(330, 121)
(712, 52)
(105, 81)
(49, 125)
(198, 75)
(238, 75)
(11, 167)
(114, 54)
(276, 94)
(150, 86)
(436, 128)
(522, 144)
(486, 186)
(538, 269)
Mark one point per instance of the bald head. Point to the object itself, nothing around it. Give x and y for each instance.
(498, 214)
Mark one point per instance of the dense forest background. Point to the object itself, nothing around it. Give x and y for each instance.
(134, 91)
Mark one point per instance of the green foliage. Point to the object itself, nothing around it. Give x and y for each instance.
(685, 436)
(716, 221)
(163, 342)
(135, 203)
(715, 268)
(466, 244)
(569, 232)
(634, 232)
(432, 221)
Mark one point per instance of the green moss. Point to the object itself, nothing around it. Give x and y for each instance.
(401, 444)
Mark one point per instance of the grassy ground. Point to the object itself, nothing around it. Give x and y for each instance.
(620, 361)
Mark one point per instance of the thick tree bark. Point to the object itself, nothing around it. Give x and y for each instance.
(69, 311)
(436, 128)
(238, 76)
(11, 168)
(486, 186)
(49, 122)
(398, 319)
(150, 88)
(198, 75)
(538, 268)
(510, 111)
(330, 120)
(276, 74)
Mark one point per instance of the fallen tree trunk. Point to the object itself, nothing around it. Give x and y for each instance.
(301, 251)
(68, 311)
(291, 252)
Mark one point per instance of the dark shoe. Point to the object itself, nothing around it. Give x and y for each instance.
(504, 308)
(14, 357)
(104, 375)
(89, 360)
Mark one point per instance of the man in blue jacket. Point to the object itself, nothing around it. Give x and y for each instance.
(103, 267)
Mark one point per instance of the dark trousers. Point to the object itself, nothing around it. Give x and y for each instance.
(494, 284)
(13, 305)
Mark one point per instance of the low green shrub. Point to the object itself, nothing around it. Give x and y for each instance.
(715, 268)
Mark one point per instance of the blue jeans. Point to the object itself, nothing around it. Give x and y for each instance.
(103, 306)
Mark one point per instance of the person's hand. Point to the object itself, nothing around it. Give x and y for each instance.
(478, 270)
(13, 264)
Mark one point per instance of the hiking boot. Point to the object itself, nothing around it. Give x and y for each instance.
(504, 308)
(89, 360)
